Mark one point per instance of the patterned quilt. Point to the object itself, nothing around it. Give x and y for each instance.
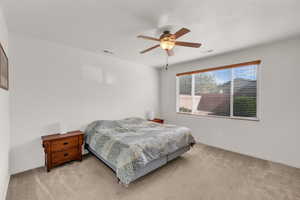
(132, 143)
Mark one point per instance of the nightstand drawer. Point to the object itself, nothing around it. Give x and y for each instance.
(64, 156)
(63, 144)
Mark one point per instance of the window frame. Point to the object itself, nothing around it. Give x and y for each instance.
(258, 91)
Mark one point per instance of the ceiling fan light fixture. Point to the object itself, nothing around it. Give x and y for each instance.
(167, 43)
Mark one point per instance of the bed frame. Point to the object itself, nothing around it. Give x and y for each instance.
(153, 165)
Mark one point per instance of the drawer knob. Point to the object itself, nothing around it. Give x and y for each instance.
(65, 143)
(66, 154)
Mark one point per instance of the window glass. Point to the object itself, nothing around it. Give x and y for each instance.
(185, 94)
(245, 91)
(225, 91)
(212, 92)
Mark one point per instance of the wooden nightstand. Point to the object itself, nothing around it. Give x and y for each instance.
(161, 121)
(62, 148)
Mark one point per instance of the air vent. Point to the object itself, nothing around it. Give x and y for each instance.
(108, 52)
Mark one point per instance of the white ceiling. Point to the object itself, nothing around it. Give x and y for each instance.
(113, 24)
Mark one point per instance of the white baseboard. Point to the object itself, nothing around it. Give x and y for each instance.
(4, 192)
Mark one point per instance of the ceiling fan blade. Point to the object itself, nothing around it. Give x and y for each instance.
(181, 32)
(148, 38)
(149, 49)
(188, 44)
(170, 52)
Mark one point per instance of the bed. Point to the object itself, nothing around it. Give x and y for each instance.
(133, 147)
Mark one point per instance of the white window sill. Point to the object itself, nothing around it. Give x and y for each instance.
(222, 117)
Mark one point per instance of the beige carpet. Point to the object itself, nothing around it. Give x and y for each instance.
(204, 173)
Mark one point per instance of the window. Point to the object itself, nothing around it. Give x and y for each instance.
(229, 91)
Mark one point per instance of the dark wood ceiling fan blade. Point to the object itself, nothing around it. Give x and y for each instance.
(148, 38)
(181, 32)
(149, 49)
(188, 44)
(170, 52)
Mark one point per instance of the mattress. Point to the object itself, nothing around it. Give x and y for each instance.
(151, 166)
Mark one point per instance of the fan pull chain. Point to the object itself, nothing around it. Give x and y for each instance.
(167, 62)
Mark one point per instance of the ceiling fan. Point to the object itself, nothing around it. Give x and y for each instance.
(168, 41)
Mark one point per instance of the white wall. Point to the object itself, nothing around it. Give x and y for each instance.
(4, 119)
(276, 137)
(55, 87)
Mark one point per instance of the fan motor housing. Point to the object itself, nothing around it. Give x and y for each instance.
(166, 34)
